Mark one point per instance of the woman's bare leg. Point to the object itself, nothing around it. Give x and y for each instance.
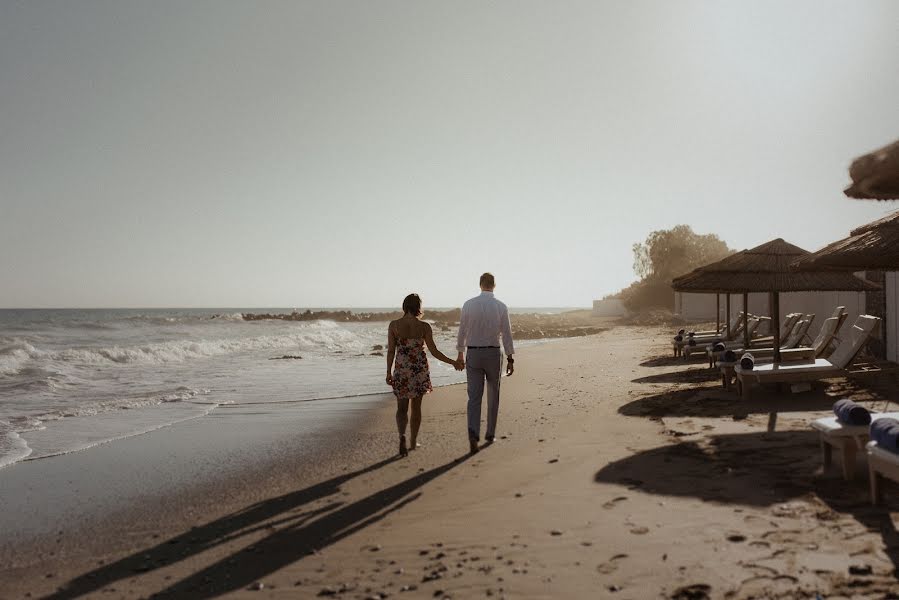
(416, 421)
(402, 417)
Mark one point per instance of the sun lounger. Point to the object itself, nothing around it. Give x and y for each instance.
(681, 341)
(819, 348)
(798, 335)
(847, 439)
(881, 463)
(752, 326)
(837, 365)
(788, 324)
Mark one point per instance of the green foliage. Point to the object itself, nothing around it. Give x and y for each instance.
(666, 254)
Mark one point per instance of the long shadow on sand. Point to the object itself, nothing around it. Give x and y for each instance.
(701, 375)
(716, 402)
(751, 469)
(672, 361)
(300, 531)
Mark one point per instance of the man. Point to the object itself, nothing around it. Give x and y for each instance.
(484, 320)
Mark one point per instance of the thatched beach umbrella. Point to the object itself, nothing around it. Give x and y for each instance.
(871, 247)
(767, 268)
(875, 176)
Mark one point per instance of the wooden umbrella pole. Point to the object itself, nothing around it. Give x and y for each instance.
(746, 321)
(718, 313)
(775, 323)
(727, 316)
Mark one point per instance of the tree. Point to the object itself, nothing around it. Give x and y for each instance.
(666, 254)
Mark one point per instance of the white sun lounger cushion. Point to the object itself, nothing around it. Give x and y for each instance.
(821, 365)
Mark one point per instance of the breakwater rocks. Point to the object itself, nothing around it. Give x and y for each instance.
(527, 333)
(438, 316)
(525, 326)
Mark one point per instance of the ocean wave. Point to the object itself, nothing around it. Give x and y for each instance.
(91, 409)
(18, 354)
(15, 353)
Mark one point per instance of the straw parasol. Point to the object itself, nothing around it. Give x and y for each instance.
(874, 246)
(875, 176)
(767, 268)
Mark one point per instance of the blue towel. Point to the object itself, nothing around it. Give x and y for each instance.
(747, 361)
(718, 347)
(851, 413)
(886, 433)
(730, 356)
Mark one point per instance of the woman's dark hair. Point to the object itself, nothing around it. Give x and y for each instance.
(412, 305)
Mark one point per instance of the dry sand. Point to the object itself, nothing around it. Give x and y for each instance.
(620, 473)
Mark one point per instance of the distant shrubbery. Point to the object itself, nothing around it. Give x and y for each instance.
(667, 254)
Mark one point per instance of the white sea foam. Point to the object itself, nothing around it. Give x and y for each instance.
(12, 447)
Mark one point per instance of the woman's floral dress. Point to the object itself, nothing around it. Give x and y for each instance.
(411, 376)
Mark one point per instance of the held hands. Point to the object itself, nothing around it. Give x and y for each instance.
(459, 364)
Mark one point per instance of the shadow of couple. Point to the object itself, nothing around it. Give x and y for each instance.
(295, 527)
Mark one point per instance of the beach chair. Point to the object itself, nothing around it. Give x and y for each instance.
(818, 348)
(751, 326)
(706, 337)
(847, 439)
(788, 324)
(881, 463)
(806, 371)
(798, 335)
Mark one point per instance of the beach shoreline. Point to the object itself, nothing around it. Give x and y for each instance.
(619, 472)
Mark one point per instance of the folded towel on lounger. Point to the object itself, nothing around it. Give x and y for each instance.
(747, 361)
(730, 356)
(851, 413)
(886, 433)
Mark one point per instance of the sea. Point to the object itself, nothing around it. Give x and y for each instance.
(71, 379)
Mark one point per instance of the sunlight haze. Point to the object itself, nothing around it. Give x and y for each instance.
(318, 154)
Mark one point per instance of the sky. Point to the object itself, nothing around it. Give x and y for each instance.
(339, 153)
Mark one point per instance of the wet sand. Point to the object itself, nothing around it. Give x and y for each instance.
(619, 473)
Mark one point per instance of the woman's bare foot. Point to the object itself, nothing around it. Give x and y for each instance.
(413, 444)
(403, 450)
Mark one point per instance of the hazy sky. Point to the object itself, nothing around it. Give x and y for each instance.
(346, 153)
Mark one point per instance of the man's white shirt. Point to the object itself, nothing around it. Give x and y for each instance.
(483, 322)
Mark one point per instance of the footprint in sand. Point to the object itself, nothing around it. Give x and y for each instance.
(611, 503)
(640, 530)
(610, 565)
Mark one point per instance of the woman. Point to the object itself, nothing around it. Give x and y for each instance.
(411, 379)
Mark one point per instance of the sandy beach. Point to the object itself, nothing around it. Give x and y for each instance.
(619, 473)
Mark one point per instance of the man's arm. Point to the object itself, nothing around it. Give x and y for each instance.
(506, 332)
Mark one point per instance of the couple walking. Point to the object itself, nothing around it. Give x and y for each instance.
(483, 322)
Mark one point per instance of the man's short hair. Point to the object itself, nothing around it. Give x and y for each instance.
(487, 280)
